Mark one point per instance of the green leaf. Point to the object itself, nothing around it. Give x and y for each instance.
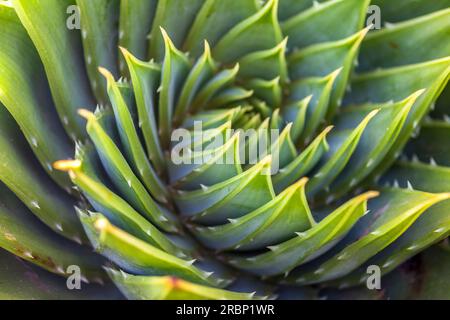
(320, 88)
(170, 288)
(419, 176)
(430, 228)
(23, 281)
(407, 42)
(323, 22)
(212, 166)
(22, 234)
(266, 64)
(176, 18)
(289, 8)
(140, 257)
(115, 208)
(373, 146)
(24, 90)
(145, 77)
(398, 83)
(390, 216)
(303, 163)
(221, 80)
(261, 31)
(295, 113)
(60, 51)
(136, 17)
(130, 142)
(229, 199)
(175, 69)
(269, 91)
(321, 59)
(276, 221)
(394, 11)
(100, 39)
(214, 19)
(307, 245)
(200, 73)
(343, 144)
(123, 177)
(22, 173)
(428, 146)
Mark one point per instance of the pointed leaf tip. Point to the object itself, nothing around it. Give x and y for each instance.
(67, 165)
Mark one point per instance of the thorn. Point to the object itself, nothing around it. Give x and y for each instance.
(342, 256)
(191, 262)
(77, 240)
(84, 279)
(60, 270)
(410, 187)
(433, 162)
(319, 271)
(35, 204)
(388, 263)
(34, 142)
(370, 163)
(395, 184)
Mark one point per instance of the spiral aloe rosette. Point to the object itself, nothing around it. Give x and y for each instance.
(347, 102)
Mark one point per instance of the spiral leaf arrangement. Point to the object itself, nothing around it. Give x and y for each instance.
(362, 152)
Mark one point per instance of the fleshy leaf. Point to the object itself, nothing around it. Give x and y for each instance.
(138, 256)
(214, 19)
(389, 217)
(276, 221)
(22, 173)
(99, 34)
(27, 237)
(261, 31)
(145, 77)
(307, 245)
(170, 288)
(23, 97)
(60, 51)
(324, 22)
(176, 18)
(229, 199)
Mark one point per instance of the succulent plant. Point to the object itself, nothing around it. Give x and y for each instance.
(358, 176)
